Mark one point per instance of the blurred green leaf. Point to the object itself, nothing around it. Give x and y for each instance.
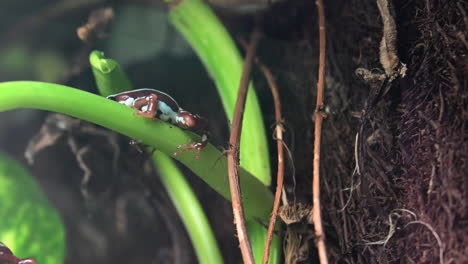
(139, 33)
(15, 60)
(30, 226)
(49, 66)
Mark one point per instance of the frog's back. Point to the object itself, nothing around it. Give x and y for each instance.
(138, 93)
(162, 96)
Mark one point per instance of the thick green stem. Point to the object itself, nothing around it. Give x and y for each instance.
(212, 43)
(189, 209)
(211, 167)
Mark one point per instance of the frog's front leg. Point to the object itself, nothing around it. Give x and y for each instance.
(147, 106)
(196, 123)
(197, 146)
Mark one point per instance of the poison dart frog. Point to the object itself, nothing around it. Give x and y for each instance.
(151, 103)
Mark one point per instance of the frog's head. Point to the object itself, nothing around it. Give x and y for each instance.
(189, 121)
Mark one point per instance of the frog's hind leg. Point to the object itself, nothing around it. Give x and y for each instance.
(146, 106)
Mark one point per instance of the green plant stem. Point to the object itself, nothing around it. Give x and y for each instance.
(211, 167)
(110, 78)
(212, 43)
(257, 235)
(191, 212)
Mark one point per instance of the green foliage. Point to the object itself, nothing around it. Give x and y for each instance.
(30, 226)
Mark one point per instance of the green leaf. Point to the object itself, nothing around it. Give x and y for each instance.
(30, 226)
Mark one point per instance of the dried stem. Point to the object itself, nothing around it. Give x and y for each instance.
(279, 143)
(233, 154)
(319, 116)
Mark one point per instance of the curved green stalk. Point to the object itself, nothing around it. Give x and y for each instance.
(189, 209)
(180, 193)
(110, 78)
(212, 43)
(212, 166)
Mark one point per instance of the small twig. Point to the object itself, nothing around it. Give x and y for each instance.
(279, 143)
(97, 27)
(391, 231)
(319, 116)
(351, 190)
(393, 228)
(356, 154)
(233, 154)
(434, 233)
(80, 158)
